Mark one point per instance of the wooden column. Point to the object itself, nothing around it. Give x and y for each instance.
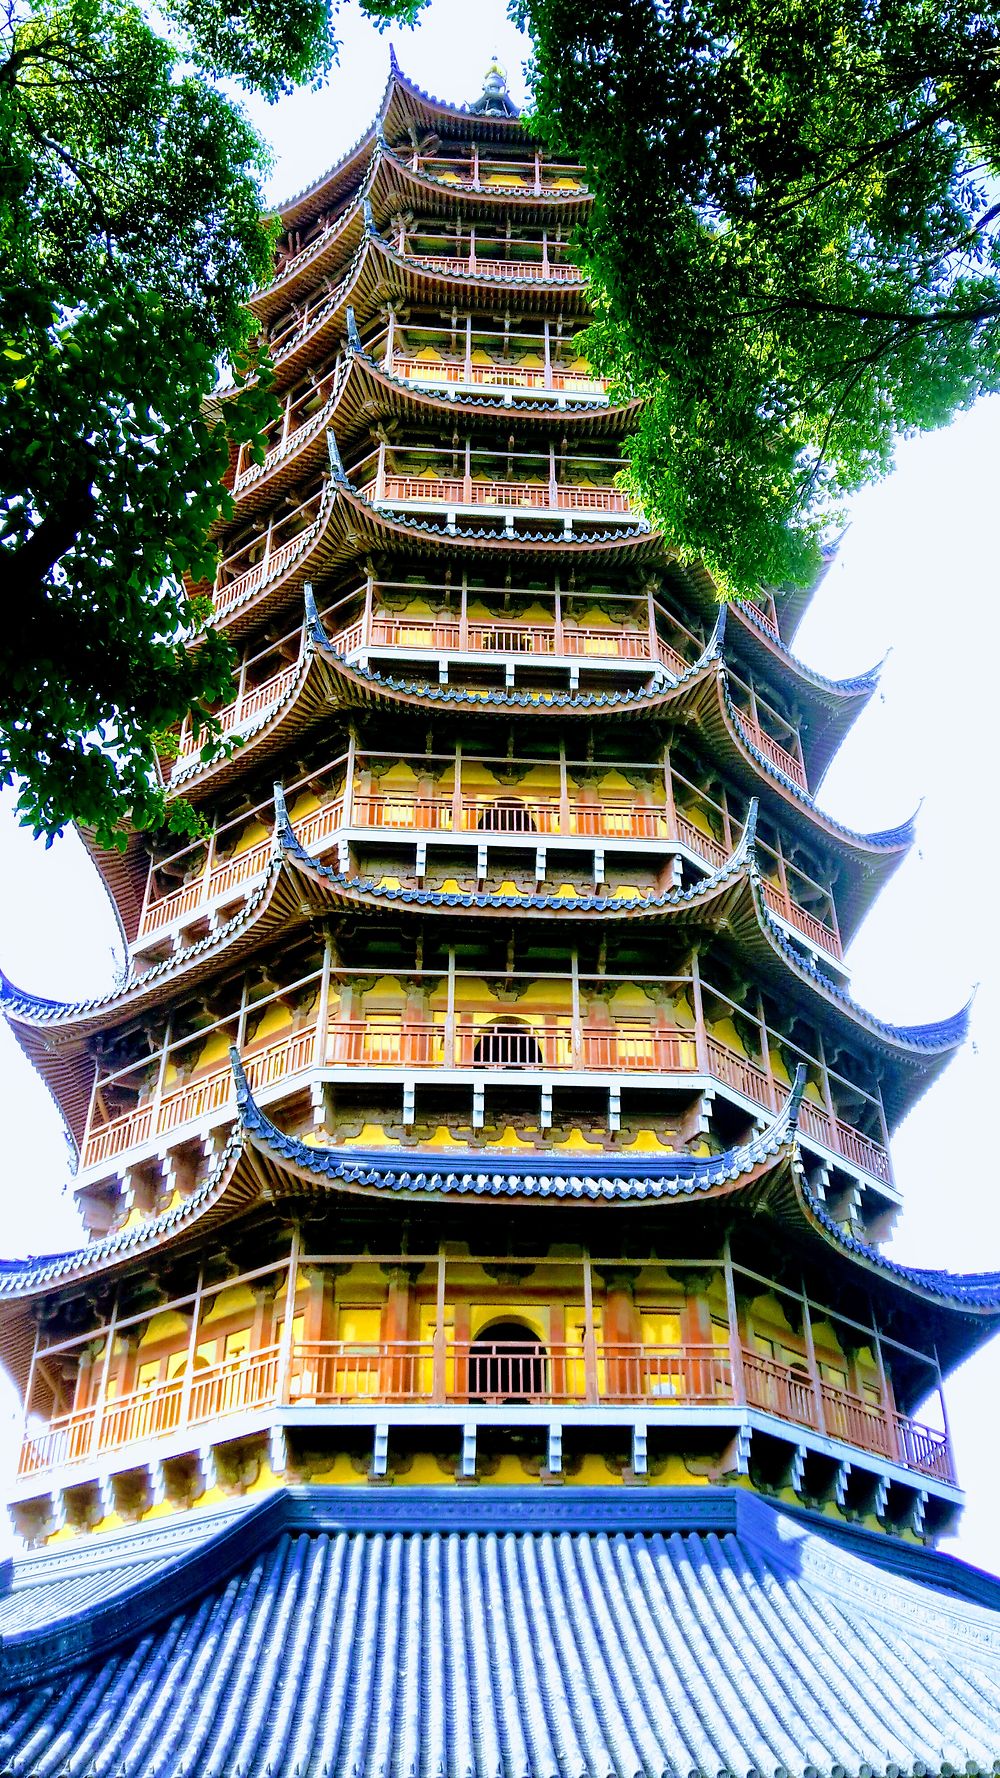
(589, 1335)
(102, 1390)
(811, 1365)
(440, 1354)
(287, 1325)
(564, 812)
(701, 1045)
(735, 1343)
(350, 774)
(451, 1045)
(187, 1384)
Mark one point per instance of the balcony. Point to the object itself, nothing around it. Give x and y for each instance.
(457, 491)
(477, 172)
(266, 556)
(772, 750)
(484, 265)
(466, 373)
(508, 637)
(345, 1374)
(249, 707)
(467, 1045)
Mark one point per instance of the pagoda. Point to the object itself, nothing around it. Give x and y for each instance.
(483, 1360)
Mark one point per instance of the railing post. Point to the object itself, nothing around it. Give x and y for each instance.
(323, 1010)
(449, 1017)
(735, 1343)
(945, 1423)
(456, 794)
(589, 1337)
(888, 1402)
(287, 1326)
(564, 821)
(102, 1388)
(347, 817)
(700, 1043)
(31, 1380)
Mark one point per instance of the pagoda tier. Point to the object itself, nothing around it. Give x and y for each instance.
(483, 1134)
(799, 1372)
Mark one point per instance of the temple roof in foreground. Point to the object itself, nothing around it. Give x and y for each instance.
(490, 1633)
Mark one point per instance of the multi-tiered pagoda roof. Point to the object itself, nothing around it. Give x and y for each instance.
(484, 1357)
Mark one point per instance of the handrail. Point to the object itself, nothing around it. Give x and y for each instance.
(498, 376)
(458, 491)
(341, 1372)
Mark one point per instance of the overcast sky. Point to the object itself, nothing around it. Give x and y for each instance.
(917, 572)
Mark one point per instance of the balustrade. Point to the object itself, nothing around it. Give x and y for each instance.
(772, 750)
(343, 1372)
(249, 705)
(479, 266)
(493, 636)
(496, 376)
(463, 491)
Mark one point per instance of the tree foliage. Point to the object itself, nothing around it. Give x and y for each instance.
(131, 234)
(795, 245)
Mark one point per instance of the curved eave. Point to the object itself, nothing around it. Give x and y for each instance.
(310, 696)
(123, 875)
(792, 602)
(260, 1163)
(232, 1187)
(966, 1305)
(350, 528)
(402, 104)
(830, 706)
(367, 394)
(871, 858)
(729, 903)
(766, 1171)
(58, 1033)
(390, 185)
(378, 273)
(868, 859)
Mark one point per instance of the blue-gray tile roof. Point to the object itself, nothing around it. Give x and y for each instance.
(524, 1646)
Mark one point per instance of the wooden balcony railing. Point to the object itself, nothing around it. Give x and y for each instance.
(440, 813)
(473, 175)
(479, 636)
(554, 1043)
(810, 925)
(496, 376)
(244, 709)
(772, 750)
(340, 1372)
(273, 563)
(470, 491)
(471, 265)
(292, 440)
(200, 1097)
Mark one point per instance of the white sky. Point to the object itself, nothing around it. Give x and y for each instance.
(917, 571)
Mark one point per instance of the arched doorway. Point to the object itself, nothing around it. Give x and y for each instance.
(507, 814)
(507, 1362)
(507, 1043)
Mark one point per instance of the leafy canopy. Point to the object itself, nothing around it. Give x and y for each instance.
(795, 245)
(131, 235)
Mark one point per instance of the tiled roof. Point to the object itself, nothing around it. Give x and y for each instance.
(535, 1636)
(540, 1175)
